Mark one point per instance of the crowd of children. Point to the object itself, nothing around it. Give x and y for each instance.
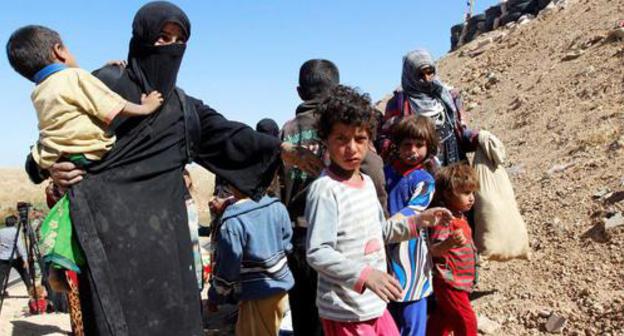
(360, 266)
(360, 248)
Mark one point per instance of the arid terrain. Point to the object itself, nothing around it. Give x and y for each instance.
(552, 89)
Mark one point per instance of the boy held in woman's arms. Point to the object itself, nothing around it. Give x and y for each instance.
(74, 110)
(73, 107)
(347, 227)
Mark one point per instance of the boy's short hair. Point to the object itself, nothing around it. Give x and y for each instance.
(30, 49)
(455, 177)
(345, 105)
(416, 127)
(316, 77)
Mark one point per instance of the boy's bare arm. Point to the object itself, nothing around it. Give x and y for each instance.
(456, 239)
(401, 227)
(149, 104)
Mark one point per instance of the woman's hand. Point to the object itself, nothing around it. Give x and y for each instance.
(303, 158)
(65, 174)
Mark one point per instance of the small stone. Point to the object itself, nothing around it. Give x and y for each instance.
(572, 55)
(544, 313)
(524, 19)
(491, 79)
(549, 9)
(516, 103)
(614, 197)
(592, 40)
(600, 193)
(614, 221)
(559, 168)
(487, 326)
(555, 324)
(561, 3)
(616, 34)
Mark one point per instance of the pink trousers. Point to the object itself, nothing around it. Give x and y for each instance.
(381, 326)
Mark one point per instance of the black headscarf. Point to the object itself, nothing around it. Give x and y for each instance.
(156, 67)
(268, 126)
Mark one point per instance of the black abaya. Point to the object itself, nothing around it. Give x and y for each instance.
(129, 212)
(130, 219)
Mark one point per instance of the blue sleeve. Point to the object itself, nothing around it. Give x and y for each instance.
(228, 258)
(287, 231)
(422, 187)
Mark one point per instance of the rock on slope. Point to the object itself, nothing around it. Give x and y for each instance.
(553, 90)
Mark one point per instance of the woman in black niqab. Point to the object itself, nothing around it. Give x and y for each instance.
(156, 67)
(129, 212)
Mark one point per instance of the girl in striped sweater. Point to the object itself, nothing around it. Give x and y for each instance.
(454, 254)
(347, 228)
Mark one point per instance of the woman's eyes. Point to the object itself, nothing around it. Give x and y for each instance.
(167, 39)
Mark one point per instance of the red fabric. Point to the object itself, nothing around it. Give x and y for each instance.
(457, 265)
(72, 277)
(453, 312)
(38, 306)
(381, 326)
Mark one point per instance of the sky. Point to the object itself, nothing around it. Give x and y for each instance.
(243, 57)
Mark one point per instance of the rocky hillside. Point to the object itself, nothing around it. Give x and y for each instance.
(553, 90)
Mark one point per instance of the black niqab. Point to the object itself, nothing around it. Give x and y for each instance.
(156, 67)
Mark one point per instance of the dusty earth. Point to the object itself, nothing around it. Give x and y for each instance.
(16, 321)
(553, 90)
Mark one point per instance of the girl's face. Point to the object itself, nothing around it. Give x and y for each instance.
(412, 152)
(347, 145)
(460, 201)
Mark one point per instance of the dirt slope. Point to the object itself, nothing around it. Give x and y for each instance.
(553, 91)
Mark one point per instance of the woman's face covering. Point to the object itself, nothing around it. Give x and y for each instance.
(160, 31)
(171, 33)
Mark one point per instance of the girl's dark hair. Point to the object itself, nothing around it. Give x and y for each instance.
(416, 127)
(345, 105)
(30, 49)
(454, 178)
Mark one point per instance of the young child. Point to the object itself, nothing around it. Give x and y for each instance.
(73, 109)
(410, 190)
(316, 78)
(454, 254)
(347, 228)
(251, 265)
